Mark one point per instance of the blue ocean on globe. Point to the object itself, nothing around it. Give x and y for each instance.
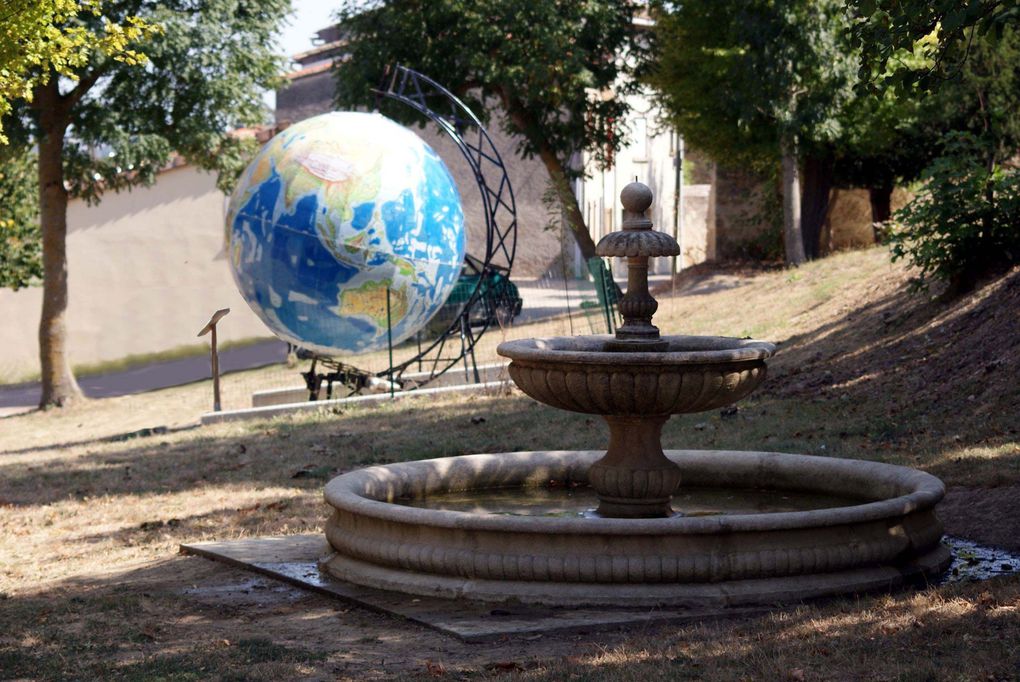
(346, 229)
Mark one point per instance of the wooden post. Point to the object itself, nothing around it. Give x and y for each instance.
(214, 356)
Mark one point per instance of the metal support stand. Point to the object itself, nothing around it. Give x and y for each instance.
(389, 334)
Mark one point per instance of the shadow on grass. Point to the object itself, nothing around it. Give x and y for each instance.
(301, 453)
(188, 618)
(927, 374)
(115, 438)
(108, 632)
(964, 632)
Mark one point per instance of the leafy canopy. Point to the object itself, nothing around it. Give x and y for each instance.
(920, 42)
(964, 220)
(735, 76)
(203, 74)
(553, 66)
(40, 38)
(20, 249)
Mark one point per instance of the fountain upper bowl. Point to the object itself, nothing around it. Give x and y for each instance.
(693, 373)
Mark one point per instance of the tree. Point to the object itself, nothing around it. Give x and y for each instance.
(885, 142)
(966, 220)
(751, 81)
(891, 34)
(559, 70)
(109, 124)
(965, 57)
(40, 37)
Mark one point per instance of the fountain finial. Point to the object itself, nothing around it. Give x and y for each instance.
(637, 242)
(636, 198)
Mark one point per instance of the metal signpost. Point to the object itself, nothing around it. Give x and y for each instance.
(214, 358)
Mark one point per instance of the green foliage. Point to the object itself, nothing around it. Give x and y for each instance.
(232, 157)
(203, 75)
(558, 69)
(885, 138)
(20, 248)
(737, 75)
(110, 118)
(920, 42)
(983, 97)
(43, 37)
(965, 220)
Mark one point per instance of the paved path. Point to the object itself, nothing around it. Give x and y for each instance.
(542, 298)
(156, 375)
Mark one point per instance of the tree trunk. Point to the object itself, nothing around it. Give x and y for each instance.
(59, 387)
(526, 125)
(575, 219)
(881, 207)
(793, 240)
(814, 204)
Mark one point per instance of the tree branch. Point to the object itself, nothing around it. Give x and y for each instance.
(85, 84)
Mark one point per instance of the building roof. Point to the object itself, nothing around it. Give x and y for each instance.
(324, 51)
(309, 70)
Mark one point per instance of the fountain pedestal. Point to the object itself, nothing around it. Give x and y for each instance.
(634, 479)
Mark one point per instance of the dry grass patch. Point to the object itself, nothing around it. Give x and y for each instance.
(94, 503)
(962, 633)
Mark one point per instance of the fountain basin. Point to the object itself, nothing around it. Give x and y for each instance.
(693, 373)
(891, 536)
(636, 391)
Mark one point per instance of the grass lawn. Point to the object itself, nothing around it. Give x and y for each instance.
(94, 503)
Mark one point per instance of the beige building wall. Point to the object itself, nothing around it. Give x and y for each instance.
(650, 157)
(146, 269)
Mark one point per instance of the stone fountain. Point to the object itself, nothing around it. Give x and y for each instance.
(768, 527)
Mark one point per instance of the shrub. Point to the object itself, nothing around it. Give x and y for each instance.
(964, 222)
(20, 244)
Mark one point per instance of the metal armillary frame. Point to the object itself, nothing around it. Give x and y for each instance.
(456, 343)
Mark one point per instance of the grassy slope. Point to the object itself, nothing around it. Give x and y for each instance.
(89, 523)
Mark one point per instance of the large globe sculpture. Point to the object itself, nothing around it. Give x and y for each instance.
(337, 214)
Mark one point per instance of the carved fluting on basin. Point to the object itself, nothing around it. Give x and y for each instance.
(635, 392)
(595, 389)
(892, 532)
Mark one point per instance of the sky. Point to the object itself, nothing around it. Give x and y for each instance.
(307, 17)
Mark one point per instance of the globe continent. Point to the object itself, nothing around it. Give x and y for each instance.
(345, 224)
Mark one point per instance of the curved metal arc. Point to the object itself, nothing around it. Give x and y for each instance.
(456, 101)
(452, 126)
(403, 73)
(436, 118)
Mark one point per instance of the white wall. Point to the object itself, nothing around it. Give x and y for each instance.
(146, 269)
(650, 157)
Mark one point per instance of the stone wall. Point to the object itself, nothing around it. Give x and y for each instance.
(698, 237)
(743, 227)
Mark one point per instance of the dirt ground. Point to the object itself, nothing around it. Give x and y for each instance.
(95, 501)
